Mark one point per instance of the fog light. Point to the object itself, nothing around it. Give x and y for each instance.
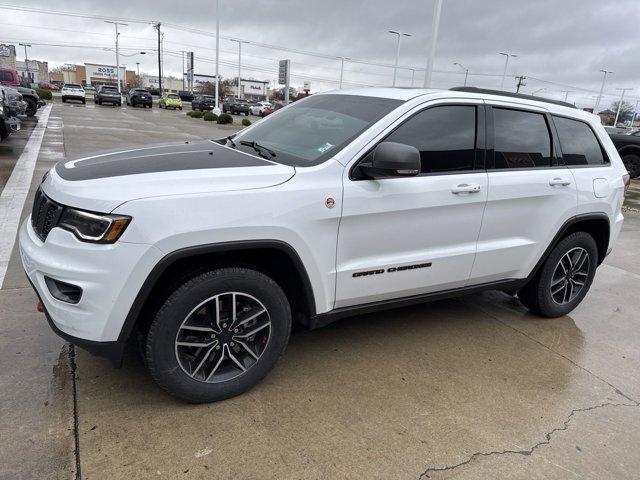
(65, 292)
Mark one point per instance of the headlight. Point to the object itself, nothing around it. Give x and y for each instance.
(93, 227)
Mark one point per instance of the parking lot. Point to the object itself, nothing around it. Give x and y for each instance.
(474, 387)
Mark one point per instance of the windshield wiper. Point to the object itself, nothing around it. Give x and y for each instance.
(230, 140)
(261, 149)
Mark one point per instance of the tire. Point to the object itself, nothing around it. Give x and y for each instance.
(632, 164)
(196, 375)
(84, 101)
(246, 114)
(99, 102)
(180, 108)
(537, 295)
(64, 100)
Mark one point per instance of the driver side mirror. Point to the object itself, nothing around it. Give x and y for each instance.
(390, 159)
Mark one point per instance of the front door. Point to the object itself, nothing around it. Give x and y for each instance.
(407, 236)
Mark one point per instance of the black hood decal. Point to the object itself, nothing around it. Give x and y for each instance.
(161, 158)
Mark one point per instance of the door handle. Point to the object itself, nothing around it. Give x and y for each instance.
(466, 188)
(559, 182)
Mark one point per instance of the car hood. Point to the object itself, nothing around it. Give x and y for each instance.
(105, 180)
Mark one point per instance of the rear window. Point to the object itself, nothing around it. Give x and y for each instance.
(578, 143)
(173, 95)
(521, 139)
(110, 89)
(72, 85)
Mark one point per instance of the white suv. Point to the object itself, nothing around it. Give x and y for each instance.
(73, 91)
(342, 203)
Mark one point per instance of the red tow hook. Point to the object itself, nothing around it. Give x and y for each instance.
(40, 307)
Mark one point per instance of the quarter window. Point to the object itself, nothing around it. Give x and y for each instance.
(578, 142)
(445, 136)
(521, 139)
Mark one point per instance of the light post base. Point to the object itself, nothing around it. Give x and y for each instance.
(216, 111)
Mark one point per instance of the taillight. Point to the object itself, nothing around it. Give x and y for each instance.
(627, 181)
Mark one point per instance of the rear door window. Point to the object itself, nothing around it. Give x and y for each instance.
(521, 139)
(578, 143)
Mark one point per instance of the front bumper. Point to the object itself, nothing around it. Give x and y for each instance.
(110, 277)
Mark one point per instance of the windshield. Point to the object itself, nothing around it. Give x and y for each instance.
(316, 128)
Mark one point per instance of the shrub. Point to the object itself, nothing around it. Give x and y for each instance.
(210, 117)
(246, 122)
(44, 94)
(190, 113)
(197, 114)
(225, 119)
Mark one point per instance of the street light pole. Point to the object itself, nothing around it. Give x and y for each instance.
(466, 72)
(435, 25)
(217, 108)
(395, 65)
(633, 119)
(342, 59)
(26, 60)
(615, 122)
(138, 69)
(506, 64)
(604, 79)
(239, 65)
(117, 51)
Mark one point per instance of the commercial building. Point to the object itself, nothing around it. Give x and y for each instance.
(38, 71)
(93, 74)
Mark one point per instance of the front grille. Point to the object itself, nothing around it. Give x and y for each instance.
(45, 214)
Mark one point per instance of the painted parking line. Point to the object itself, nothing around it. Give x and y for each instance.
(16, 189)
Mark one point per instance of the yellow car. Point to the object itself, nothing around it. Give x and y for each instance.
(170, 100)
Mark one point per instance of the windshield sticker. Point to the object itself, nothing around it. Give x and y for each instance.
(325, 147)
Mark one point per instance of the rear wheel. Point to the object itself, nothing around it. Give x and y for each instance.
(218, 334)
(632, 164)
(565, 277)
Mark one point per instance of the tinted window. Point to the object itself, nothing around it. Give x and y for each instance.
(311, 130)
(578, 142)
(445, 136)
(521, 139)
(6, 76)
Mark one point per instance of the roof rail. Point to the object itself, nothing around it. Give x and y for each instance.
(488, 91)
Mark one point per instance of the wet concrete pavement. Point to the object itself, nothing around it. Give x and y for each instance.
(468, 388)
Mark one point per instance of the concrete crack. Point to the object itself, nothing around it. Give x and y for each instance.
(526, 452)
(76, 433)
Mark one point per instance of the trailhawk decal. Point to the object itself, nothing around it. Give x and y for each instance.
(162, 158)
(402, 268)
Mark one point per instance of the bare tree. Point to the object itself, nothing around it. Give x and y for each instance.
(625, 109)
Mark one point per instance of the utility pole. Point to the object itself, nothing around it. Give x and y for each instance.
(435, 25)
(395, 65)
(341, 71)
(216, 110)
(615, 122)
(26, 61)
(239, 65)
(117, 51)
(466, 71)
(182, 52)
(413, 74)
(157, 27)
(604, 79)
(522, 81)
(566, 94)
(506, 64)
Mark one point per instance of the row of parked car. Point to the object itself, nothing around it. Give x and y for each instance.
(16, 101)
(235, 106)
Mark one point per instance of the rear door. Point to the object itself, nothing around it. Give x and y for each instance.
(530, 192)
(406, 236)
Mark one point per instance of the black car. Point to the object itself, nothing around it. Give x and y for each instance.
(236, 106)
(628, 146)
(185, 96)
(107, 94)
(203, 102)
(139, 96)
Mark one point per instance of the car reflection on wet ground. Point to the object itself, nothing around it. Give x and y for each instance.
(474, 387)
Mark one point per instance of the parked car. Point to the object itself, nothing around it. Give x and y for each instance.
(259, 107)
(90, 89)
(73, 91)
(203, 102)
(170, 100)
(14, 103)
(269, 110)
(185, 96)
(10, 77)
(48, 86)
(207, 252)
(8, 123)
(628, 146)
(139, 96)
(236, 106)
(108, 94)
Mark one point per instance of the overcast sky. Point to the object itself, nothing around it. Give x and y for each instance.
(565, 42)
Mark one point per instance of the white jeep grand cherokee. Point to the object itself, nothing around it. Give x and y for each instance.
(342, 203)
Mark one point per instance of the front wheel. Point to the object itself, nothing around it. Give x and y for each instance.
(218, 334)
(565, 277)
(632, 164)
